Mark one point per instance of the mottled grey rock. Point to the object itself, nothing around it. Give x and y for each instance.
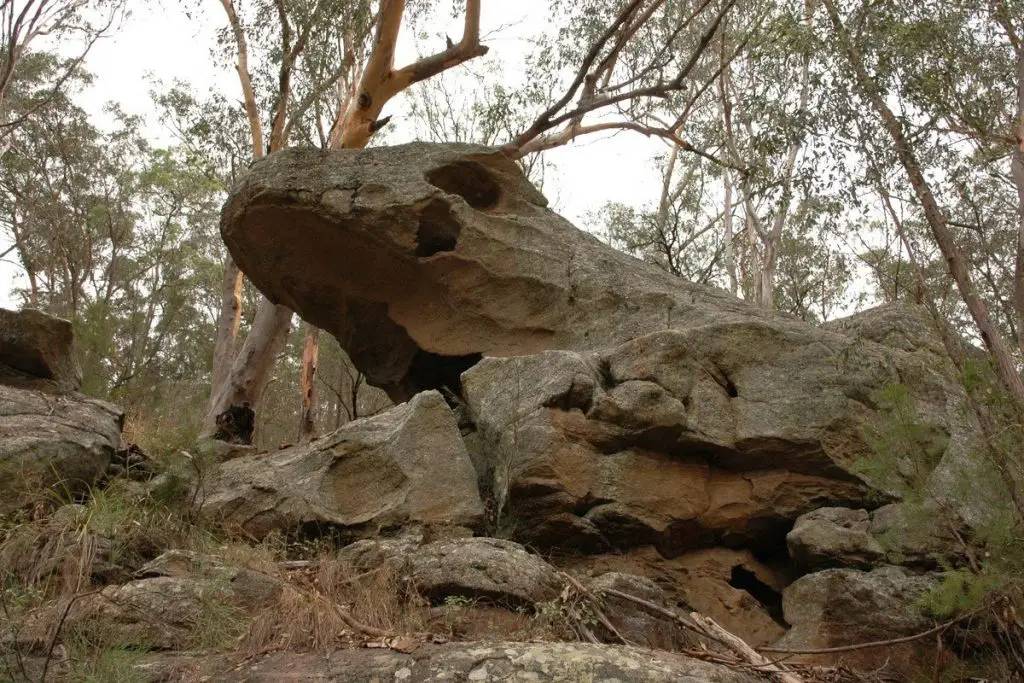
(483, 661)
(833, 537)
(40, 346)
(838, 607)
(483, 568)
(53, 446)
(407, 465)
(616, 404)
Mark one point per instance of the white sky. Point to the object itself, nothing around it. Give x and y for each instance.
(159, 41)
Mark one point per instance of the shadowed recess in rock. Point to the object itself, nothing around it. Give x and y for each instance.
(469, 180)
(746, 580)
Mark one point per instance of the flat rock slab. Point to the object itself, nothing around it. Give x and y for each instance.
(485, 661)
(407, 465)
(53, 446)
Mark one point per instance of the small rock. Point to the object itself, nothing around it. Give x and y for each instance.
(833, 537)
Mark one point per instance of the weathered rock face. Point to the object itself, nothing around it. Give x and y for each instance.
(834, 537)
(39, 346)
(674, 414)
(611, 408)
(405, 466)
(733, 587)
(839, 607)
(421, 257)
(52, 445)
(486, 661)
(644, 445)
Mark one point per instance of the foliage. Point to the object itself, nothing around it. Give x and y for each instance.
(988, 579)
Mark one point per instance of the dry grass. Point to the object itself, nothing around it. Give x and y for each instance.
(328, 604)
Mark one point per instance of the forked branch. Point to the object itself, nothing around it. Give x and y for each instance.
(380, 81)
(559, 124)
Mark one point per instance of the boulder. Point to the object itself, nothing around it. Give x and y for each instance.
(488, 569)
(39, 346)
(407, 465)
(838, 607)
(833, 537)
(478, 661)
(53, 446)
(185, 600)
(421, 257)
(611, 405)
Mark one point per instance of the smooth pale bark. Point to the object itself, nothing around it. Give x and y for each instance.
(255, 361)
(310, 362)
(250, 372)
(933, 213)
(730, 257)
(381, 81)
(228, 322)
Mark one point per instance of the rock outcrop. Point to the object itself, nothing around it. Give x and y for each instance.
(659, 429)
(54, 442)
(834, 537)
(405, 466)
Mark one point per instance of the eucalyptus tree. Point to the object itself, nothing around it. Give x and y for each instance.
(949, 118)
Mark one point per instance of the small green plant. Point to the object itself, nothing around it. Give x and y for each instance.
(458, 601)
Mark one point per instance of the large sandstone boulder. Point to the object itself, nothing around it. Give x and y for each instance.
(407, 465)
(419, 258)
(834, 537)
(39, 346)
(670, 414)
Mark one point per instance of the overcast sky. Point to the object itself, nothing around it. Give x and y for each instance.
(159, 42)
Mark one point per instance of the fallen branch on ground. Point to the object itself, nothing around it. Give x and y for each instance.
(875, 643)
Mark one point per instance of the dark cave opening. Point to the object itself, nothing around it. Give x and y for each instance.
(746, 580)
(438, 230)
(469, 180)
(443, 373)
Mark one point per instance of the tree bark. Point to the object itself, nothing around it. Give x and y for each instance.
(380, 81)
(935, 217)
(310, 362)
(255, 361)
(1017, 173)
(730, 257)
(228, 322)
